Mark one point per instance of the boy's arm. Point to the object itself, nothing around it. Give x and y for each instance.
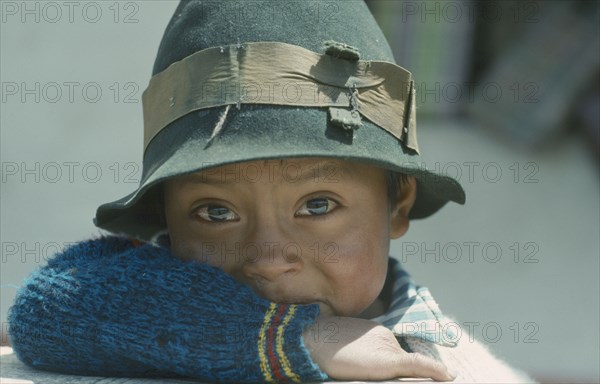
(115, 307)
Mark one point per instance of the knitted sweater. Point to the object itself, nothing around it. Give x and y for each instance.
(115, 307)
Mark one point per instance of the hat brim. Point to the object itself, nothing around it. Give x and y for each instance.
(257, 132)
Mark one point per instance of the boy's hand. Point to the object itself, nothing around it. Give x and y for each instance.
(348, 348)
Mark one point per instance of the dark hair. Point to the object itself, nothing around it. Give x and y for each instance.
(394, 182)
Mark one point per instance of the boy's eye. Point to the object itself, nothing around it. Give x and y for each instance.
(216, 213)
(316, 207)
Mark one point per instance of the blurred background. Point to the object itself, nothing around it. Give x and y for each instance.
(508, 103)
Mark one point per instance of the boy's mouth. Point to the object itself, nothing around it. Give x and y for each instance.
(288, 295)
(325, 308)
(280, 297)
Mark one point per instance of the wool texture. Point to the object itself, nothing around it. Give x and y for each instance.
(117, 307)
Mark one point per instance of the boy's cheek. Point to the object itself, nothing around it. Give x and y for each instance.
(356, 282)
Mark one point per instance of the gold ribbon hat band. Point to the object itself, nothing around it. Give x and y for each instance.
(283, 74)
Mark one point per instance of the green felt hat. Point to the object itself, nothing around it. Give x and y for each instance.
(267, 131)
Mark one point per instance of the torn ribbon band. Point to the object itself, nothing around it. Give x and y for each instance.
(282, 74)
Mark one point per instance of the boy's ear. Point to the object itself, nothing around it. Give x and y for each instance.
(407, 194)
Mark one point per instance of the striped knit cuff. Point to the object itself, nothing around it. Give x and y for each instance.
(281, 349)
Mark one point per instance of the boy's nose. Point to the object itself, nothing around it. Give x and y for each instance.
(272, 260)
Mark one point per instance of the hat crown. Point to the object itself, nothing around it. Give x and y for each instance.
(264, 131)
(197, 25)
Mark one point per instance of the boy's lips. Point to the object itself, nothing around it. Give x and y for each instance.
(278, 296)
(298, 301)
(288, 295)
(324, 307)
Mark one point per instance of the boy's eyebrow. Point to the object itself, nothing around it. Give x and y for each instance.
(323, 171)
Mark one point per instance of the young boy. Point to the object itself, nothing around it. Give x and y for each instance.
(280, 160)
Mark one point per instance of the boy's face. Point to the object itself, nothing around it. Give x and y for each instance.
(309, 230)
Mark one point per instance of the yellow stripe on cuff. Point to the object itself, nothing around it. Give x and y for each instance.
(284, 360)
(264, 364)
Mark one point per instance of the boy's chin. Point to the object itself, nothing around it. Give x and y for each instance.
(377, 308)
(327, 309)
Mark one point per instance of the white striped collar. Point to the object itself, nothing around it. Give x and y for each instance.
(414, 313)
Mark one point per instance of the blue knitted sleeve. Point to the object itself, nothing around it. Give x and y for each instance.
(115, 307)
